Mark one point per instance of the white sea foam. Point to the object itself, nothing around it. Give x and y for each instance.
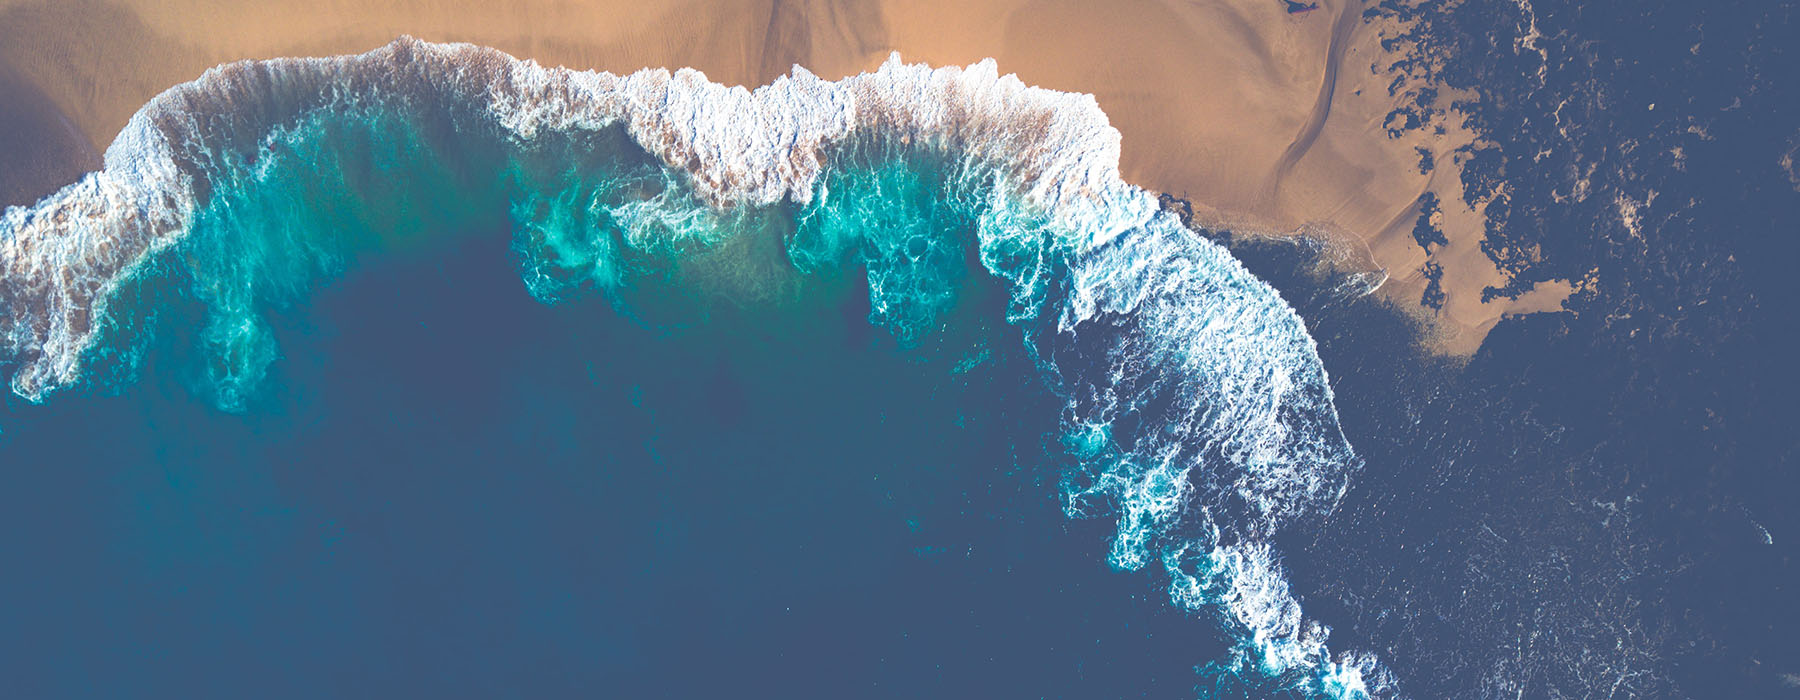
(1164, 327)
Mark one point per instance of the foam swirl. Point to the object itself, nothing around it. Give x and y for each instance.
(1198, 409)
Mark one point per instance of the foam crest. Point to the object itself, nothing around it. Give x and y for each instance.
(1198, 410)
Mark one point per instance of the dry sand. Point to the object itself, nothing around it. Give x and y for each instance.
(1266, 121)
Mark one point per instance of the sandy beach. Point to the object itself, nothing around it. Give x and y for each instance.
(1265, 120)
(41, 149)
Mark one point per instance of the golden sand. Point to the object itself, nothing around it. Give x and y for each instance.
(1267, 121)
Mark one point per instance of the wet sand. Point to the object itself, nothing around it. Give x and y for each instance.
(40, 148)
(1265, 120)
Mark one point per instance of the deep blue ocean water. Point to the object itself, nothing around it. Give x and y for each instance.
(462, 491)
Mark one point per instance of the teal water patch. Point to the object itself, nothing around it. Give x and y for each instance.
(592, 215)
(313, 199)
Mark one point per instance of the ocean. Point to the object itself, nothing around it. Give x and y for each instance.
(462, 491)
(403, 397)
(426, 373)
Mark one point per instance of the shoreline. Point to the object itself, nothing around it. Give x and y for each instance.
(1226, 105)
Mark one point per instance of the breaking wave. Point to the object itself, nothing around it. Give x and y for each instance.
(1197, 411)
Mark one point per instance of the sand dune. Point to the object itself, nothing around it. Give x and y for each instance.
(1265, 120)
